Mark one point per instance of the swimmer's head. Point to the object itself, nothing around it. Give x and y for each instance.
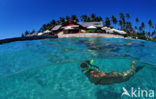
(85, 64)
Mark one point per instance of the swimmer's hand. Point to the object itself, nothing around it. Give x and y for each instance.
(133, 62)
(133, 65)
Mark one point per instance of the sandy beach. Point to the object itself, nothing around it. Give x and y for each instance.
(89, 35)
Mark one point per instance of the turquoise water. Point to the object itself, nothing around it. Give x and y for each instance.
(49, 69)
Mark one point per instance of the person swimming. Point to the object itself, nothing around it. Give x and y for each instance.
(98, 77)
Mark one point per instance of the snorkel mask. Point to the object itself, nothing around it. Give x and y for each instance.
(86, 66)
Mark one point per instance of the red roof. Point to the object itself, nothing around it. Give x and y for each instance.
(71, 24)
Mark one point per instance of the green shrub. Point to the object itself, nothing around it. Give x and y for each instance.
(133, 35)
(94, 31)
(142, 36)
(91, 31)
(99, 31)
(116, 32)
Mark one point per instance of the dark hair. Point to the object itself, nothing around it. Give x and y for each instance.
(84, 65)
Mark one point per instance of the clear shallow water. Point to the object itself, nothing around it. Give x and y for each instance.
(49, 69)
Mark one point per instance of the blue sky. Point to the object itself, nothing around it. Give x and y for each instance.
(16, 16)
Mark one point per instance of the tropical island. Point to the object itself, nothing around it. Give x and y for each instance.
(92, 26)
(96, 24)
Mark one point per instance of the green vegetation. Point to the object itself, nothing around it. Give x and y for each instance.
(116, 33)
(91, 31)
(136, 30)
(107, 22)
(94, 31)
(133, 35)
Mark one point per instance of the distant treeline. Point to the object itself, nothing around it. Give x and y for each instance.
(8, 40)
(122, 22)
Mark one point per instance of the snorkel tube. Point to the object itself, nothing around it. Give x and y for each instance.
(91, 62)
(89, 67)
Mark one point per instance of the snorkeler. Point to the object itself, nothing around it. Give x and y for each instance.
(98, 77)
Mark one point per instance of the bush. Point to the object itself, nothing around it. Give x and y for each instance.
(99, 31)
(91, 31)
(133, 35)
(142, 36)
(116, 32)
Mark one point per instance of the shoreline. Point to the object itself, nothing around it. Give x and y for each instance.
(9, 40)
(76, 35)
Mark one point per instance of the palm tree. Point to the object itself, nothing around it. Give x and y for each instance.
(43, 28)
(137, 21)
(84, 18)
(143, 26)
(150, 25)
(114, 20)
(122, 24)
(26, 32)
(22, 35)
(122, 21)
(122, 16)
(93, 17)
(136, 27)
(129, 27)
(148, 35)
(67, 19)
(88, 20)
(48, 26)
(74, 18)
(107, 22)
(58, 22)
(53, 23)
(33, 31)
(98, 19)
(62, 20)
(127, 16)
(153, 34)
(140, 29)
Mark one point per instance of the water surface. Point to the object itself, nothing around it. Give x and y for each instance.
(49, 69)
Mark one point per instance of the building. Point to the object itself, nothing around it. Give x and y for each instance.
(57, 29)
(92, 25)
(114, 31)
(76, 27)
(83, 27)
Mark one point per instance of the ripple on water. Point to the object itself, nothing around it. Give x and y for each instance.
(50, 68)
